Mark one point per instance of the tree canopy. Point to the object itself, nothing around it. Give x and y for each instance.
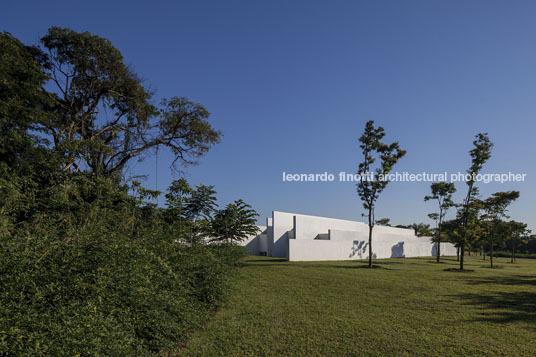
(102, 116)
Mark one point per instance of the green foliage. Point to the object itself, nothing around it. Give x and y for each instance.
(373, 177)
(87, 266)
(99, 290)
(468, 212)
(495, 208)
(383, 222)
(421, 229)
(234, 223)
(441, 192)
(101, 116)
(373, 149)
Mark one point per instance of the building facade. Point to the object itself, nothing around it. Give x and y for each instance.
(299, 237)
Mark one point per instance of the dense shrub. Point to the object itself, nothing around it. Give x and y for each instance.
(87, 265)
(101, 290)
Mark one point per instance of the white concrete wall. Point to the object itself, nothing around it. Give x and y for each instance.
(308, 227)
(320, 238)
(308, 238)
(318, 250)
(255, 243)
(282, 223)
(269, 236)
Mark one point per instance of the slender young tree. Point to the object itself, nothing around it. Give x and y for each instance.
(441, 192)
(480, 153)
(372, 183)
(495, 208)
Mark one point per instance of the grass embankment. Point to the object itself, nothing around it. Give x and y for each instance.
(406, 307)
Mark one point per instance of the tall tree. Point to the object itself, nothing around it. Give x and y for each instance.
(495, 208)
(26, 164)
(104, 116)
(21, 100)
(373, 183)
(441, 192)
(480, 153)
(234, 223)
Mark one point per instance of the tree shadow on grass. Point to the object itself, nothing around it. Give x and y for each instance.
(507, 280)
(362, 266)
(503, 307)
(457, 270)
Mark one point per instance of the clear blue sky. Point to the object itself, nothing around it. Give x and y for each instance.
(291, 85)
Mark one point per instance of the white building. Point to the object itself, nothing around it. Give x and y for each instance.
(299, 237)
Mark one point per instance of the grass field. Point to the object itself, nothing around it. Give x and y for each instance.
(404, 307)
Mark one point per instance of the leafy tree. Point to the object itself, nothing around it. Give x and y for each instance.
(480, 153)
(28, 176)
(177, 198)
(21, 100)
(202, 203)
(441, 192)
(370, 186)
(234, 223)
(383, 222)
(199, 209)
(78, 245)
(466, 229)
(421, 229)
(495, 208)
(103, 116)
(516, 233)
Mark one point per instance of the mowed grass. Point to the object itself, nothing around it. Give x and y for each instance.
(406, 306)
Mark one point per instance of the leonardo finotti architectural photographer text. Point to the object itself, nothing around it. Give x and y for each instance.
(404, 177)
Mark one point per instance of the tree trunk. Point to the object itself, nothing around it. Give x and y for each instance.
(438, 244)
(370, 246)
(462, 253)
(491, 253)
(457, 254)
(512, 258)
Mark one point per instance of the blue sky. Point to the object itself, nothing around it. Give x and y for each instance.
(292, 83)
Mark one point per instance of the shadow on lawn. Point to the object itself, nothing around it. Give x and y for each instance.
(362, 266)
(507, 280)
(504, 307)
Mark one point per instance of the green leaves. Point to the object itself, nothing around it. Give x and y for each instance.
(373, 149)
(234, 223)
(102, 115)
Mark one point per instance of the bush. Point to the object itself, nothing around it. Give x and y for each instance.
(101, 290)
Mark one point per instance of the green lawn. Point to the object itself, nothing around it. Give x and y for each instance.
(405, 307)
